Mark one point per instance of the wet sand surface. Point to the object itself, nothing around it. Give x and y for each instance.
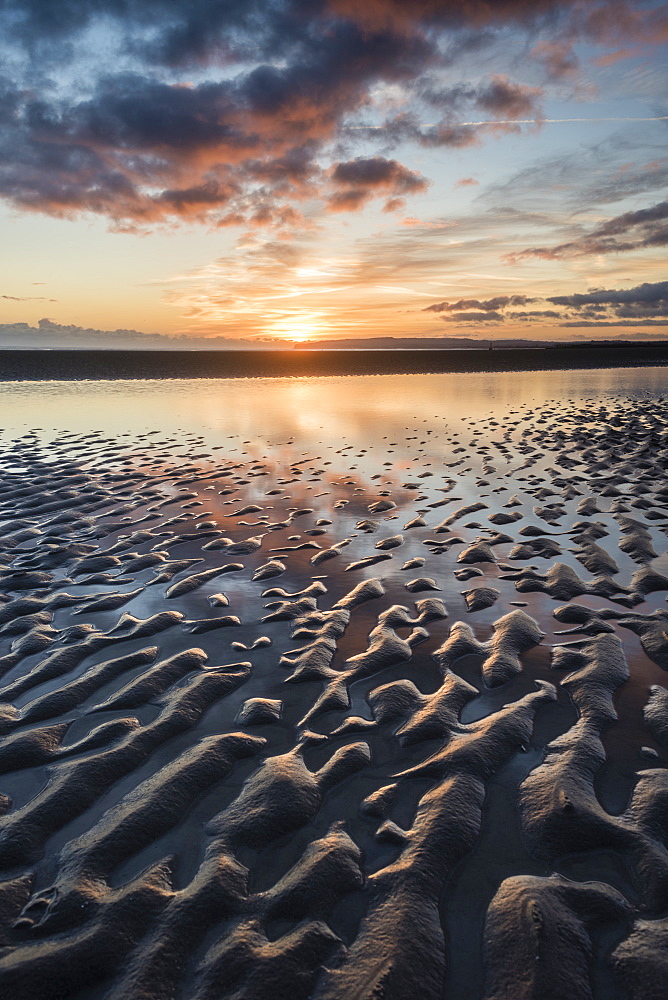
(105, 364)
(345, 714)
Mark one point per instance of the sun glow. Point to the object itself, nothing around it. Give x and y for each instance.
(298, 328)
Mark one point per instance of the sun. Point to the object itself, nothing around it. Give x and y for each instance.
(297, 328)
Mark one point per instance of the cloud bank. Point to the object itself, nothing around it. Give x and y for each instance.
(48, 335)
(643, 305)
(235, 113)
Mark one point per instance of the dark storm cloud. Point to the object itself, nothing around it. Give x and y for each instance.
(148, 144)
(638, 230)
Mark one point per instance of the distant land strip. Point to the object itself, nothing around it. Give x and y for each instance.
(73, 365)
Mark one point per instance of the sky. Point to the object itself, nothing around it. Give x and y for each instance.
(231, 173)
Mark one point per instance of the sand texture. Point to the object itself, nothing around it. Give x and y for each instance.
(174, 364)
(357, 723)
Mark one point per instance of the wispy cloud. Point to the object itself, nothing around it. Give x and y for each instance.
(27, 298)
(630, 231)
(518, 121)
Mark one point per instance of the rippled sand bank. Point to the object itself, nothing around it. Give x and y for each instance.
(361, 720)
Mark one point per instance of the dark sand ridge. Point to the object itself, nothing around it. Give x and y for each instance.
(110, 364)
(293, 807)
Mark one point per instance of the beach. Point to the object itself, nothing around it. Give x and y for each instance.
(314, 362)
(343, 688)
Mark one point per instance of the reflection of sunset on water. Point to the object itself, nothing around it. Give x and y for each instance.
(309, 410)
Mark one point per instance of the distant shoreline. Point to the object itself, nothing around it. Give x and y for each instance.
(73, 365)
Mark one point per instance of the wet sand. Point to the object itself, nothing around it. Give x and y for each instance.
(349, 723)
(77, 365)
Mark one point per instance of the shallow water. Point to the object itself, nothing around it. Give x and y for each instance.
(309, 409)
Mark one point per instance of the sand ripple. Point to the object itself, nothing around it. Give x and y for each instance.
(348, 791)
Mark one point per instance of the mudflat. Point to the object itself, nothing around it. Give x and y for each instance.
(355, 720)
(75, 365)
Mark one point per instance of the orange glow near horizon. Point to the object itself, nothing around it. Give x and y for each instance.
(299, 173)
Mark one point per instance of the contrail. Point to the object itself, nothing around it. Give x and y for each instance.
(516, 121)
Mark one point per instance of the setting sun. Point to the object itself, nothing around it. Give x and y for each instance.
(297, 327)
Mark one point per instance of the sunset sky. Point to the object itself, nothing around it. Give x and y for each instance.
(281, 170)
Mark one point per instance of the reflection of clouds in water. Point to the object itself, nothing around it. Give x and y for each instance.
(310, 410)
